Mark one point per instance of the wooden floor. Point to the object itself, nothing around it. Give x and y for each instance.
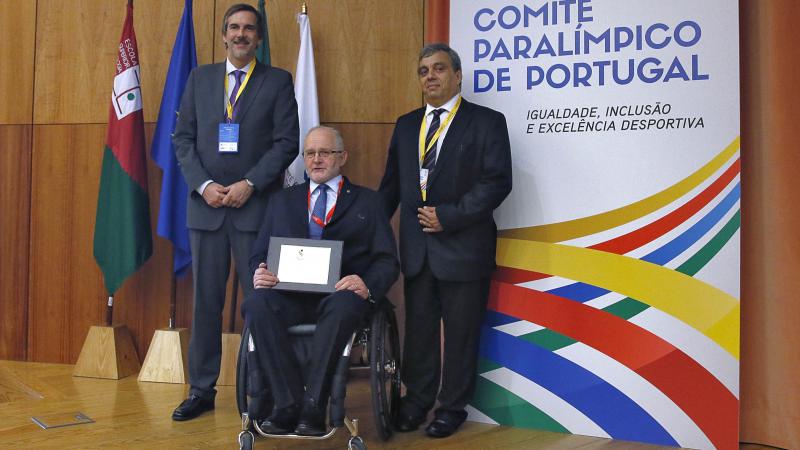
(129, 414)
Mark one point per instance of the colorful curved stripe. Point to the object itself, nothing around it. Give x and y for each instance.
(704, 307)
(585, 226)
(709, 404)
(605, 405)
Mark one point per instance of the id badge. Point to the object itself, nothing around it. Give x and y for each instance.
(229, 138)
(423, 178)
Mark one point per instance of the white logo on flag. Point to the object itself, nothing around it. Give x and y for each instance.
(127, 94)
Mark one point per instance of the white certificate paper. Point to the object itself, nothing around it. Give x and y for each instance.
(300, 264)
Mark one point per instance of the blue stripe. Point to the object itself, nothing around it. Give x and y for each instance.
(679, 245)
(580, 292)
(605, 405)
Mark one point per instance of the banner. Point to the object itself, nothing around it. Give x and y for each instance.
(122, 237)
(174, 191)
(305, 90)
(614, 311)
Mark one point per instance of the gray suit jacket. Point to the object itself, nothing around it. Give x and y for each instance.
(268, 141)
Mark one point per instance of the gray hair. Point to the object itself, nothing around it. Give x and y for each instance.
(337, 137)
(430, 49)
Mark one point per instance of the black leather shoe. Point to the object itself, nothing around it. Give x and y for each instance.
(192, 407)
(312, 420)
(445, 424)
(409, 417)
(281, 421)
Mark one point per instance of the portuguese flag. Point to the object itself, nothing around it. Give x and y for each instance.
(122, 236)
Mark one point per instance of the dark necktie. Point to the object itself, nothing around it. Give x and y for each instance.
(238, 75)
(318, 213)
(430, 156)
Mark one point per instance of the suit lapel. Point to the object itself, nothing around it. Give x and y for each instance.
(216, 88)
(411, 157)
(251, 91)
(344, 200)
(452, 139)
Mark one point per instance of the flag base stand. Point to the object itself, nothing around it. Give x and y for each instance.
(167, 358)
(107, 353)
(230, 355)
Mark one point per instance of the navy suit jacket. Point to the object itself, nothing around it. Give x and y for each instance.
(368, 242)
(471, 178)
(268, 141)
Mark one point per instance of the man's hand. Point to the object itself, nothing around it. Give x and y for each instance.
(263, 278)
(238, 194)
(353, 283)
(214, 194)
(428, 219)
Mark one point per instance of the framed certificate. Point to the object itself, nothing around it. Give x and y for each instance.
(305, 265)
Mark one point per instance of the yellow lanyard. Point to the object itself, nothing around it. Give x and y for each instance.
(423, 132)
(228, 105)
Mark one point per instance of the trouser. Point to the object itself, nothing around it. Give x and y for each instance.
(269, 313)
(461, 306)
(211, 259)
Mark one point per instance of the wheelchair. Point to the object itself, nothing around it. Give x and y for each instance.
(379, 343)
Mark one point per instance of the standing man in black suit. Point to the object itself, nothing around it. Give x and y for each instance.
(327, 206)
(449, 167)
(236, 133)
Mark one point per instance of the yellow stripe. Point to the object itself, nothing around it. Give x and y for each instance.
(571, 229)
(702, 306)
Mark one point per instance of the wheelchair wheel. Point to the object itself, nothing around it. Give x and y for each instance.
(356, 443)
(384, 355)
(241, 374)
(252, 394)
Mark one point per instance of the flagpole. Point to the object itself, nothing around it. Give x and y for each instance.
(304, 9)
(109, 310)
(173, 288)
(234, 300)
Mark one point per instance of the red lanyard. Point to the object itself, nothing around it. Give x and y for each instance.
(330, 213)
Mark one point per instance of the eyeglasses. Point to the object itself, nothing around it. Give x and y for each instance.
(323, 154)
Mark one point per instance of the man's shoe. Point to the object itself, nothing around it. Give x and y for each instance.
(312, 420)
(281, 421)
(192, 407)
(445, 424)
(409, 417)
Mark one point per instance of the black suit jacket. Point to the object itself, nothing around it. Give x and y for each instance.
(471, 178)
(268, 141)
(369, 248)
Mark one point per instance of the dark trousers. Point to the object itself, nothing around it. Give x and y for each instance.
(461, 305)
(211, 261)
(268, 313)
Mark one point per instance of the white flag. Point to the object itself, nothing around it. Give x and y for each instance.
(305, 91)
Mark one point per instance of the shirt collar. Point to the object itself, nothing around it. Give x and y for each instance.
(229, 67)
(448, 106)
(333, 184)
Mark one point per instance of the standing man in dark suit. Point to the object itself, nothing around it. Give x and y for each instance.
(449, 167)
(236, 133)
(327, 206)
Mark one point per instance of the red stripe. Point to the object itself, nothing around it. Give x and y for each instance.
(515, 276)
(125, 138)
(709, 404)
(648, 233)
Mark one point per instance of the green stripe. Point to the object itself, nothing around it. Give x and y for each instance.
(506, 408)
(122, 236)
(485, 365)
(707, 253)
(626, 308)
(549, 339)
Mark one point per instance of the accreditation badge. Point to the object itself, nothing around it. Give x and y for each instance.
(229, 138)
(423, 178)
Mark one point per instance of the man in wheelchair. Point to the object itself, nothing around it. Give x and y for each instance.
(329, 207)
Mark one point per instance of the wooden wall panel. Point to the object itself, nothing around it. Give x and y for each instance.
(17, 31)
(365, 63)
(66, 287)
(15, 181)
(76, 49)
(367, 145)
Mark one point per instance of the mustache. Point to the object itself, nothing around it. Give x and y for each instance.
(241, 40)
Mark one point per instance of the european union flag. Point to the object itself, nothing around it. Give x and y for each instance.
(174, 192)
